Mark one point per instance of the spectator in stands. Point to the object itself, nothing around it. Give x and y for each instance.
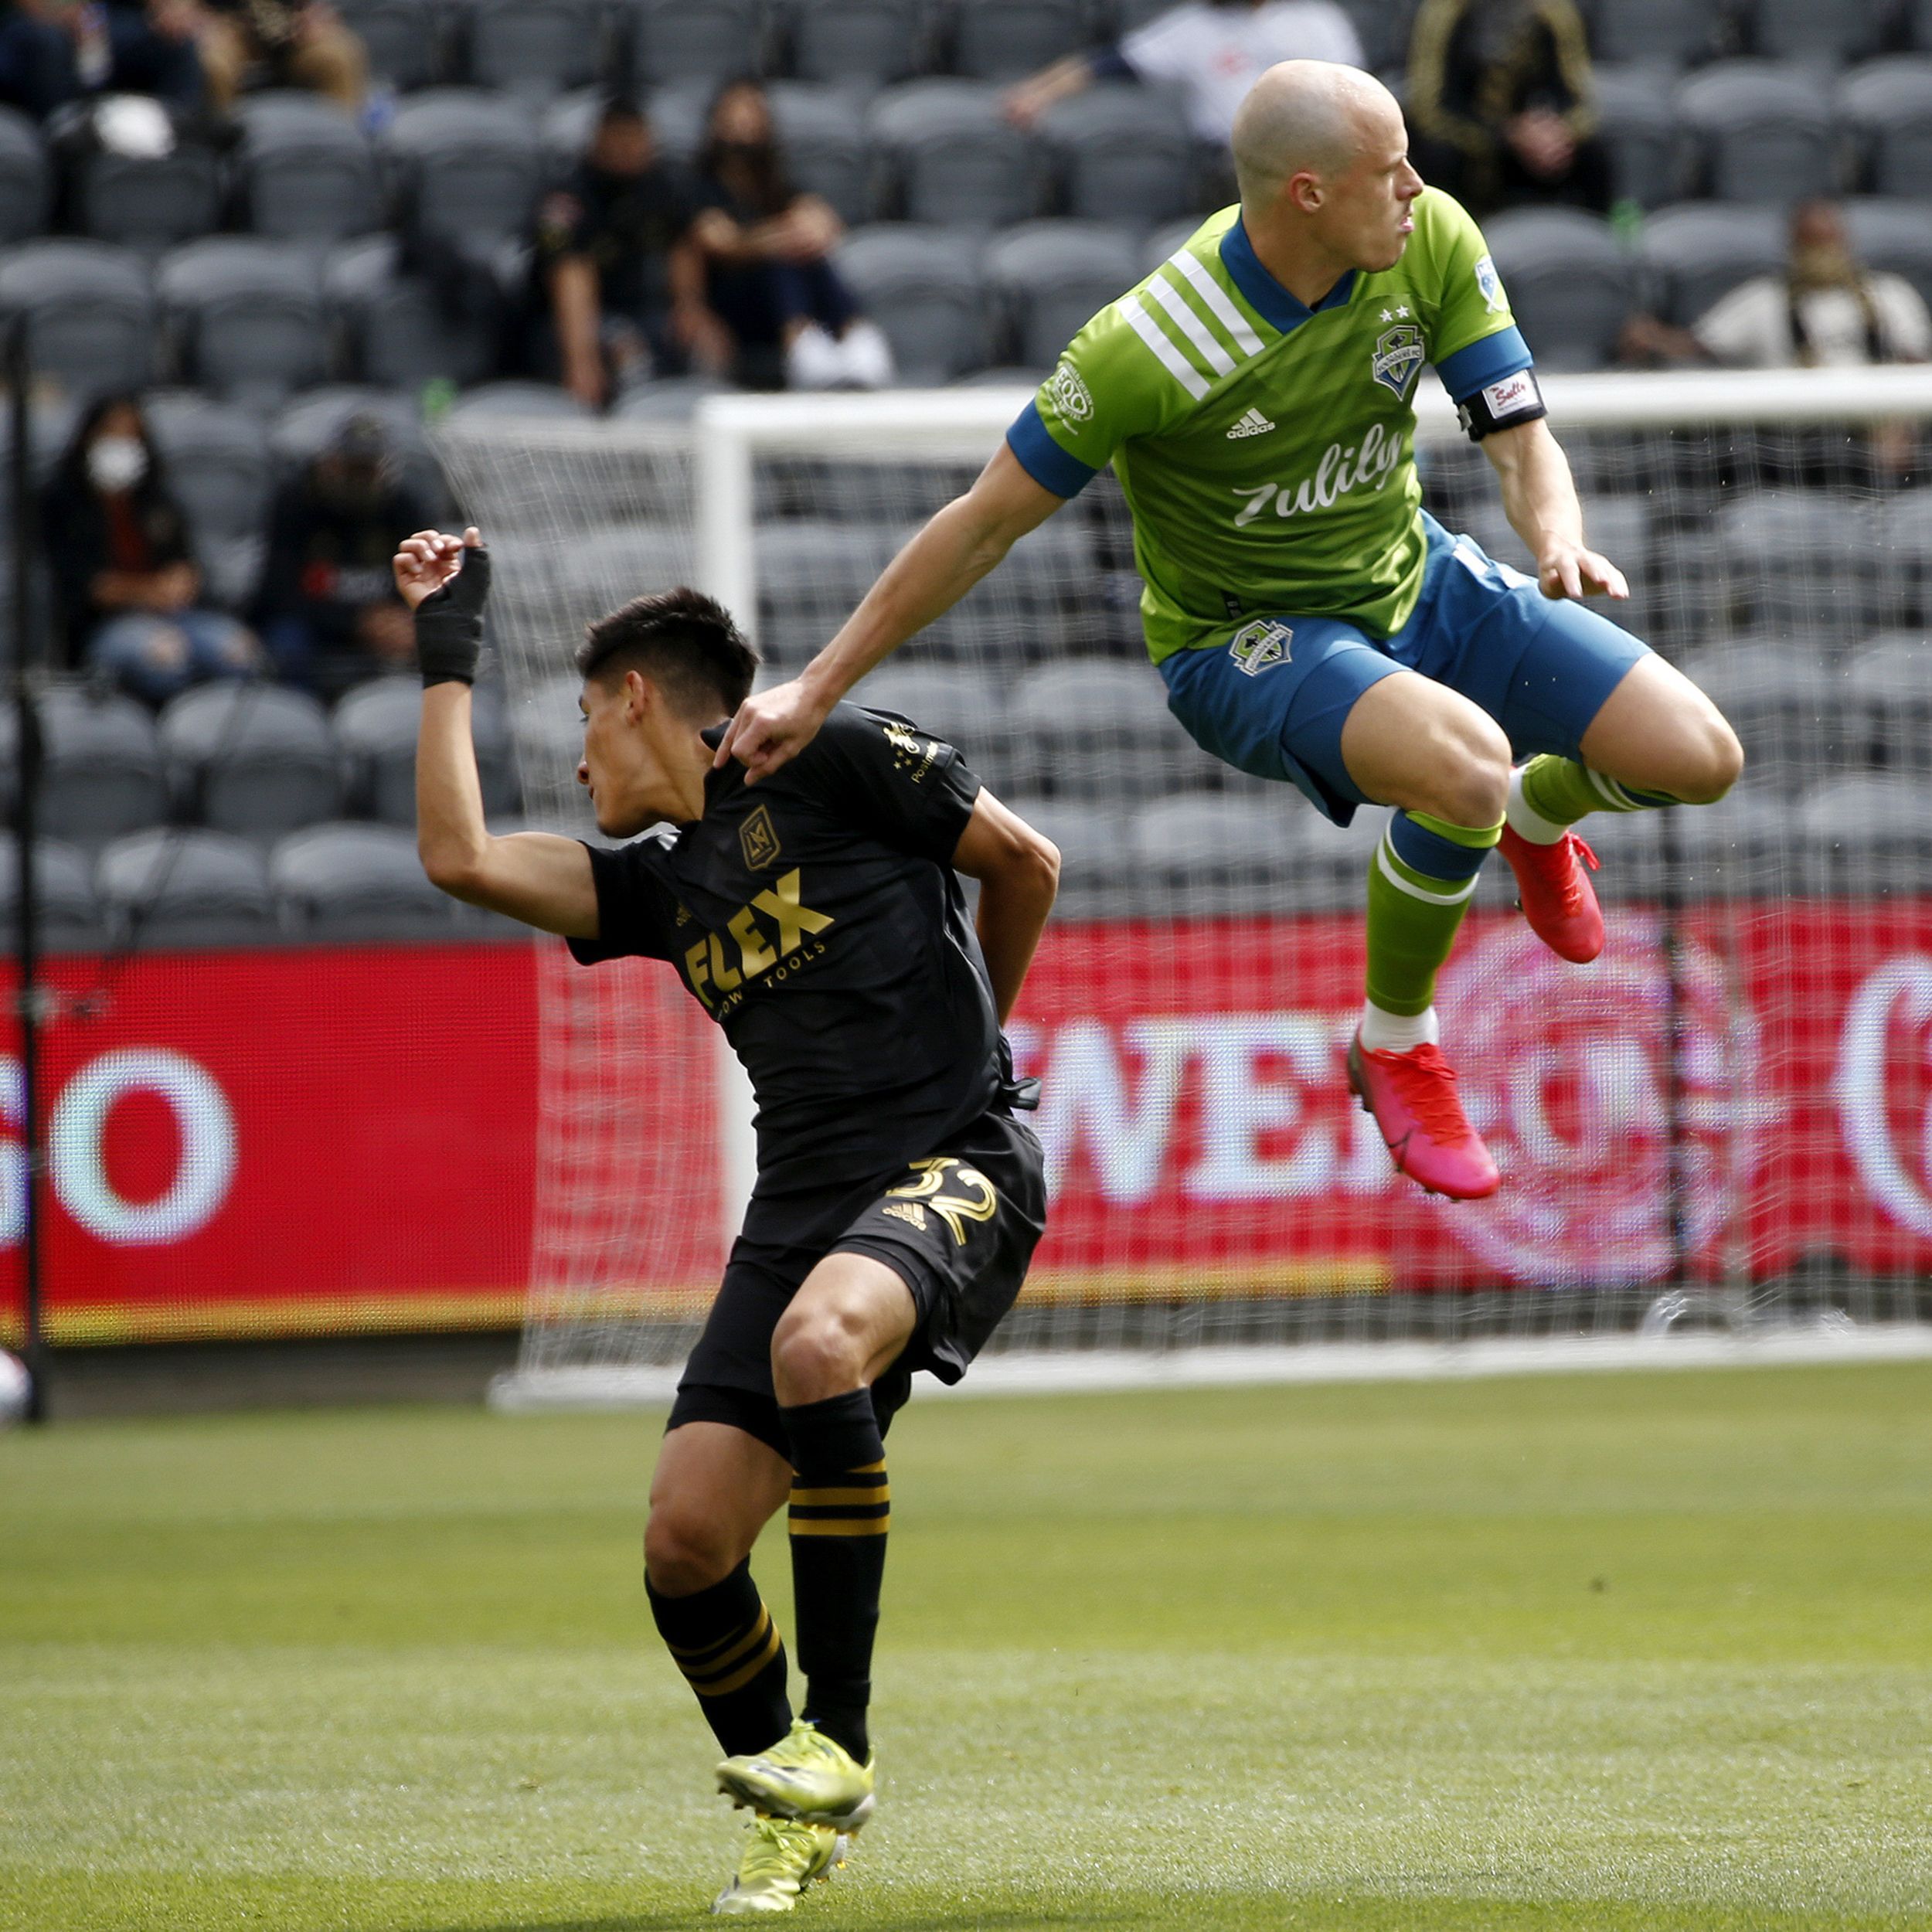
(766, 248)
(53, 51)
(328, 610)
(1502, 104)
(1826, 311)
(1213, 50)
(625, 286)
(125, 582)
(281, 43)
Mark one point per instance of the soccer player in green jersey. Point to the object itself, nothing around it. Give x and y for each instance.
(1254, 394)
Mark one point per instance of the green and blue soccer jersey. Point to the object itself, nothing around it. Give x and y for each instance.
(1266, 450)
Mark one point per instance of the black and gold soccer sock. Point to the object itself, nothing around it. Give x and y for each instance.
(840, 1505)
(730, 1650)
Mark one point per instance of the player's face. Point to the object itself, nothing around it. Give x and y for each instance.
(1366, 217)
(620, 768)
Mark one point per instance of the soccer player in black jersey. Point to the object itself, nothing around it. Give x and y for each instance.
(819, 919)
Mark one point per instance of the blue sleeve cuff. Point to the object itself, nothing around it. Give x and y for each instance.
(1043, 459)
(1505, 353)
(1110, 63)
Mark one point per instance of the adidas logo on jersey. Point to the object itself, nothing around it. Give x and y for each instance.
(1253, 424)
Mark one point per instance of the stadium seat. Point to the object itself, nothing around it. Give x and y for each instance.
(1099, 728)
(219, 471)
(468, 166)
(956, 159)
(177, 886)
(376, 728)
(1790, 707)
(70, 916)
(1699, 251)
(1048, 277)
(1168, 239)
(104, 774)
(397, 334)
(825, 149)
(1640, 130)
(1039, 604)
(26, 184)
(143, 201)
(307, 172)
(1765, 131)
(403, 38)
(1203, 853)
(1822, 36)
(90, 324)
(1816, 566)
(1894, 234)
(858, 42)
(1865, 833)
(965, 705)
(1004, 40)
(311, 424)
(1888, 683)
(1657, 33)
(1121, 153)
(671, 400)
(257, 760)
(811, 573)
(533, 47)
(1570, 283)
(1887, 106)
(341, 883)
(244, 316)
(544, 399)
(923, 288)
(706, 40)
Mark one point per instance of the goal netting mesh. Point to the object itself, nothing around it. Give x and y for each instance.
(1723, 1121)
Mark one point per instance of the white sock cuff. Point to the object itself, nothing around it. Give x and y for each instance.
(1396, 1032)
(1525, 823)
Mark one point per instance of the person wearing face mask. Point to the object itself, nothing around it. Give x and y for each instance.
(789, 318)
(125, 582)
(329, 611)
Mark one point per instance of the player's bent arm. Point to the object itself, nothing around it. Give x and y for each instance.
(1539, 498)
(544, 881)
(1019, 871)
(957, 547)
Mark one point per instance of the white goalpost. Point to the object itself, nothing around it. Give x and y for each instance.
(1721, 1132)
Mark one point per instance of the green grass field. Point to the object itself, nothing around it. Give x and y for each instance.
(1599, 1652)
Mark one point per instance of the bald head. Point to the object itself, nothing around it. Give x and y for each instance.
(1307, 115)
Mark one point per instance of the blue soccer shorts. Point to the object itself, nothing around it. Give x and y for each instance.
(1271, 697)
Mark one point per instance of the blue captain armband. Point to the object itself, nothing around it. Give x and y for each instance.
(1043, 459)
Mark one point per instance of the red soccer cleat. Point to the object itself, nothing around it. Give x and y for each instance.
(1556, 894)
(1413, 1098)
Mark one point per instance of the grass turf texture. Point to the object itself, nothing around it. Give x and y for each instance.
(1608, 1652)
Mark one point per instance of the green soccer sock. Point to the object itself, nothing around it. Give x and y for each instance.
(1548, 794)
(1421, 882)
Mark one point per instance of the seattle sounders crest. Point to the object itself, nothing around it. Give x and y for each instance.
(1398, 355)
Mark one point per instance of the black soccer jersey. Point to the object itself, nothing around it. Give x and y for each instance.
(816, 916)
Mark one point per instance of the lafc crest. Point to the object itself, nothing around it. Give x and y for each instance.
(758, 840)
(1398, 355)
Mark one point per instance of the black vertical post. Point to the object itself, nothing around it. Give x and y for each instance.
(26, 680)
(1670, 914)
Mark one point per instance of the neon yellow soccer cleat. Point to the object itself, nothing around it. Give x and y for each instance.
(806, 1776)
(783, 1857)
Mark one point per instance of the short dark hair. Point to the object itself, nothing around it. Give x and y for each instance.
(684, 642)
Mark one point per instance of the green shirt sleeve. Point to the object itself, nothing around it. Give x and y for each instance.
(1473, 339)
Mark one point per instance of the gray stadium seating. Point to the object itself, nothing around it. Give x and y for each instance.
(544, 399)
(344, 882)
(1100, 728)
(1817, 566)
(922, 286)
(468, 165)
(959, 703)
(546, 728)
(26, 184)
(1038, 604)
(1640, 130)
(148, 203)
(1790, 706)
(1121, 153)
(90, 314)
(1168, 239)
(70, 917)
(395, 332)
(1824, 36)
(176, 886)
(375, 727)
(1203, 853)
(1888, 108)
(1571, 286)
(957, 159)
(825, 150)
(219, 471)
(257, 760)
(402, 37)
(811, 572)
(1895, 235)
(1697, 252)
(1765, 130)
(306, 171)
(308, 425)
(534, 47)
(1002, 39)
(1097, 853)
(671, 400)
(1666, 33)
(1049, 277)
(704, 40)
(858, 42)
(1866, 833)
(103, 774)
(245, 317)
(1888, 686)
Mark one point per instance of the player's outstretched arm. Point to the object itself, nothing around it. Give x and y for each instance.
(544, 882)
(1019, 871)
(1540, 497)
(935, 569)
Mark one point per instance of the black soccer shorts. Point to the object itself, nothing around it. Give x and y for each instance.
(958, 1228)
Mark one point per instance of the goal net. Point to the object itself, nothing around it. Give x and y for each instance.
(1723, 1122)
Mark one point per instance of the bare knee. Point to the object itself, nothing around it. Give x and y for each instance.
(684, 1552)
(1708, 765)
(1463, 773)
(818, 1351)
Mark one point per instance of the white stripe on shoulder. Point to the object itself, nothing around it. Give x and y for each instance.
(1152, 333)
(1216, 297)
(1170, 299)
